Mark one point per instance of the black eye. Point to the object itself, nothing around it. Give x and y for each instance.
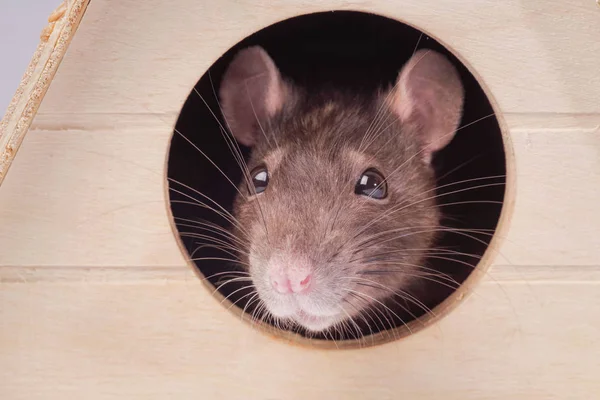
(260, 179)
(371, 183)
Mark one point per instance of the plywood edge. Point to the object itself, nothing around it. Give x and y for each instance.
(54, 41)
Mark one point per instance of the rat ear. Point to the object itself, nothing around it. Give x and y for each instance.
(251, 92)
(429, 94)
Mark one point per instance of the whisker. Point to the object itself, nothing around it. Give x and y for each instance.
(368, 310)
(332, 338)
(217, 259)
(408, 251)
(400, 293)
(230, 217)
(243, 297)
(242, 163)
(211, 227)
(386, 307)
(250, 302)
(213, 239)
(358, 336)
(223, 131)
(425, 276)
(225, 272)
(228, 251)
(370, 240)
(420, 267)
(425, 148)
(385, 102)
(211, 161)
(235, 291)
(232, 144)
(402, 207)
(482, 178)
(453, 170)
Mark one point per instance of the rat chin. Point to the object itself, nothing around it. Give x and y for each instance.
(291, 309)
(314, 323)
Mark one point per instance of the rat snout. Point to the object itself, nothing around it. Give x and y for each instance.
(294, 287)
(289, 273)
(290, 280)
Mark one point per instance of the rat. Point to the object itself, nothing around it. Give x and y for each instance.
(337, 210)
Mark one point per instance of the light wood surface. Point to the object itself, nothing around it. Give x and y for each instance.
(152, 339)
(97, 302)
(536, 56)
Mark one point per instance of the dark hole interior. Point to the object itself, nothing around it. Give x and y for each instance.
(362, 52)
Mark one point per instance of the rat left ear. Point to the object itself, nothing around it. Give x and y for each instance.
(252, 91)
(429, 94)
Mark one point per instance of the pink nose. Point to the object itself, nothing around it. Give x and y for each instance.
(290, 281)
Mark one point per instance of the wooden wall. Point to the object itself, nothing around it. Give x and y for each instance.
(96, 299)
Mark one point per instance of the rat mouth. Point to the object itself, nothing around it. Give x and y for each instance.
(313, 322)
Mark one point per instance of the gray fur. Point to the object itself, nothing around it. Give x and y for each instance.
(309, 212)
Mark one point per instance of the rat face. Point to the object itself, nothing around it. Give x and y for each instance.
(337, 207)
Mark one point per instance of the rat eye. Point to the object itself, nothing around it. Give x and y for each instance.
(371, 183)
(260, 179)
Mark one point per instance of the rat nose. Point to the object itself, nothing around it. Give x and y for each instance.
(290, 281)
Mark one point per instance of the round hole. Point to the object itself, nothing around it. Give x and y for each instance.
(359, 53)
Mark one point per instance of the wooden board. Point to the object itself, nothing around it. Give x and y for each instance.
(535, 56)
(147, 339)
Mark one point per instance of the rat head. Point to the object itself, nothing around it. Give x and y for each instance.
(338, 202)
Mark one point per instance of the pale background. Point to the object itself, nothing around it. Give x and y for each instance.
(21, 22)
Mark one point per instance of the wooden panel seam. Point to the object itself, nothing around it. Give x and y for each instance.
(513, 274)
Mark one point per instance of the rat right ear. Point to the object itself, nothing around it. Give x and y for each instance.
(429, 93)
(251, 92)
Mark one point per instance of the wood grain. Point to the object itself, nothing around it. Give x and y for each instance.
(105, 188)
(535, 56)
(159, 340)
